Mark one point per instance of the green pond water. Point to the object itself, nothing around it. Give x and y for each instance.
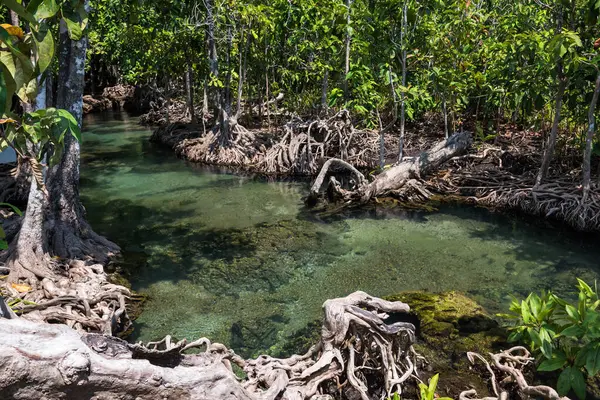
(238, 259)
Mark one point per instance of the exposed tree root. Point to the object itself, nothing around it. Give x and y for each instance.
(299, 149)
(77, 294)
(365, 352)
(402, 180)
(510, 383)
(359, 351)
(560, 199)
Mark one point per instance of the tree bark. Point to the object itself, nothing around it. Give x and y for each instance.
(324, 90)
(71, 236)
(551, 143)
(587, 153)
(562, 85)
(419, 167)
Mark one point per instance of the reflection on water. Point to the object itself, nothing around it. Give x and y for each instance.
(238, 260)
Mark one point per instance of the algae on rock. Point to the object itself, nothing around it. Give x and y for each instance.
(449, 325)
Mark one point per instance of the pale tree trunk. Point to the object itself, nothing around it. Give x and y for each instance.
(402, 95)
(205, 98)
(14, 18)
(54, 361)
(383, 131)
(348, 41)
(587, 153)
(189, 90)
(71, 236)
(445, 110)
(212, 52)
(28, 253)
(324, 90)
(551, 142)
(242, 73)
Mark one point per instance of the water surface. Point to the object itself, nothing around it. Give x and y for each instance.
(238, 260)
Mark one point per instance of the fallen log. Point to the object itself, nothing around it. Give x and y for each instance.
(359, 351)
(401, 179)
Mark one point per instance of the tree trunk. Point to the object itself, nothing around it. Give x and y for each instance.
(14, 18)
(402, 95)
(212, 53)
(324, 90)
(205, 99)
(347, 43)
(587, 153)
(445, 110)
(562, 85)
(551, 143)
(394, 179)
(28, 254)
(189, 90)
(419, 167)
(71, 236)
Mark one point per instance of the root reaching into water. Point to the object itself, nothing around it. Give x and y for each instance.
(299, 149)
(510, 382)
(561, 199)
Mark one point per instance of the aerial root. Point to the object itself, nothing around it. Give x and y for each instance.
(561, 199)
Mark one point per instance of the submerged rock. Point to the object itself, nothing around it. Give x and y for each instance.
(449, 325)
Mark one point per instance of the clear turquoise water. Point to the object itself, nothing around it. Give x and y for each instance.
(238, 260)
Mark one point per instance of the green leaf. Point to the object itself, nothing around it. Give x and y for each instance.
(572, 312)
(573, 331)
(20, 10)
(525, 313)
(15, 209)
(535, 337)
(578, 383)
(44, 43)
(564, 382)
(433, 383)
(3, 94)
(43, 8)
(592, 363)
(76, 21)
(73, 125)
(552, 365)
(546, 349)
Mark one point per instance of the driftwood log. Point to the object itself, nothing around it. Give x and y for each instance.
(359, 351)
(402, 180)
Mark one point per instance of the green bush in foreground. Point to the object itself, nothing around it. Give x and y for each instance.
(565, 336)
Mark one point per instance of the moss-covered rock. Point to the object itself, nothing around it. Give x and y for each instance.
(449, 325)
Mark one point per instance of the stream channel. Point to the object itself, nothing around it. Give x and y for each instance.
(238, 260)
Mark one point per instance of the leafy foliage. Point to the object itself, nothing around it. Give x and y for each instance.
(24, 59)
(566, 336)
